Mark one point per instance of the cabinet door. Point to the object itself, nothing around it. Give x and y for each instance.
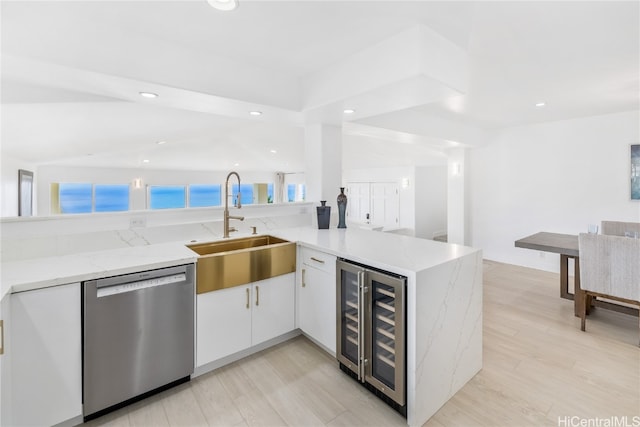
(317, 306)
(5, 406)
(46, 362)
(273, 302)
(223, 323)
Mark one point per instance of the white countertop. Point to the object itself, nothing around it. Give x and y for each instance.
(400, 254)
(30, 274)
(388, 251)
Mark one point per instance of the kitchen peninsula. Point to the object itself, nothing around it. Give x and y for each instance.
(443, 303)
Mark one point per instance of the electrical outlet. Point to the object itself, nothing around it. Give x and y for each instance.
(541, 254)
(137, 222)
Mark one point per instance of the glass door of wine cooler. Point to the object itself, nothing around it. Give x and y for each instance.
(350, 316)
(384, 357)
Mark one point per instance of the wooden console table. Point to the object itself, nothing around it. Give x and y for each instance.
(567, 246)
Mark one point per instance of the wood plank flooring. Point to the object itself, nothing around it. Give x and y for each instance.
(538, 368)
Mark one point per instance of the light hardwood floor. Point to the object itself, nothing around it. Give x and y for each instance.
(538, 368)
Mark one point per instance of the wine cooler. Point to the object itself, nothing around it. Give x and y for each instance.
(371, 339)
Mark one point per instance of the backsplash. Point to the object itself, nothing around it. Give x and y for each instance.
(64, 235)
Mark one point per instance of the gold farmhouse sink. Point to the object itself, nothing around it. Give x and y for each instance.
(228, 263)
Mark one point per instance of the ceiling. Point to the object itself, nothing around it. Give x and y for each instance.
(72, 71)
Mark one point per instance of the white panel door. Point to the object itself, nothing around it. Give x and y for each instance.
(273, 302)
(223, 323)
(385, 204)
(46, 362)
(358, 202)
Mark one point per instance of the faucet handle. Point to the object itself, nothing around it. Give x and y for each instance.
(253, 230)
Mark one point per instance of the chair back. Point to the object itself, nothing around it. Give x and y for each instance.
(610, 265)
(618, 228)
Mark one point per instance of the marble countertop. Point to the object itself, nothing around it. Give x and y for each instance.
(396, 253)
(30, 274)
(392, 252)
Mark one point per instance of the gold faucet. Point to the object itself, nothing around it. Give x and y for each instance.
(238, 204)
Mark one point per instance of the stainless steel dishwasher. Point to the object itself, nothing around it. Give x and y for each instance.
(137, 336)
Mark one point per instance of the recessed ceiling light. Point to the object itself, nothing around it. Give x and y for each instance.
(255, 113)
(273, 151)
(236, 164)
(145, 161)
(161, 142)
(223, 4)
(540, 104)
(349, 111)
(148, 94)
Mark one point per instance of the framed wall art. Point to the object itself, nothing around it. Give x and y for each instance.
(25, 193)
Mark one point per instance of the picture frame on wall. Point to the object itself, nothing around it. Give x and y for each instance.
(635, 171)
(25, 193)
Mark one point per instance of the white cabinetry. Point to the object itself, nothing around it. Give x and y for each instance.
(46, 364)
(234, 319)
(5, 362)
(317, 297)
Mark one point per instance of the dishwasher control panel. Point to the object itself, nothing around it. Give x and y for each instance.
(140, 284)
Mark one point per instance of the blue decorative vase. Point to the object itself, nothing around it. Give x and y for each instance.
(342, 208)
(324, 214)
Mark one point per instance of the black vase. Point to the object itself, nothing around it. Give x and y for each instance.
(342, 208)
(324, 214)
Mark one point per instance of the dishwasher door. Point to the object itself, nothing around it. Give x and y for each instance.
(138, 334)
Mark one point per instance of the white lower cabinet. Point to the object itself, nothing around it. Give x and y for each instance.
(45, 357)
(234, 319)
(5, 362)
(316, 294)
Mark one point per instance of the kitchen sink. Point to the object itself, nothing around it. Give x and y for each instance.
(228, 263)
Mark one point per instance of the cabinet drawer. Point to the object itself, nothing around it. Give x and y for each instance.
(320, 260)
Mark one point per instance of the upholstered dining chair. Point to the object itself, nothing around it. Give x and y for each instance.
(609, 268)
(618, 228)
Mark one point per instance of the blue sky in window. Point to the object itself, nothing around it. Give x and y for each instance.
(291, 192)
(166, 197)
(112, 198)
(246, 193)
(75, 198)
(204, 195)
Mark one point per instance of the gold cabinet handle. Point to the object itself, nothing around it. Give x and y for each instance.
(247, 297)
(1, 336)
(317, 260)
(257, 295)
(303, 274)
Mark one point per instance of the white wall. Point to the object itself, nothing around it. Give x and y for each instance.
(9, 187)
(50, 174)
(557, 177)
(430, 201)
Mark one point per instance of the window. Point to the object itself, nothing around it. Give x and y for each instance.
(111, 198)
(246, 193)
(296, 192)
(75, 198)
(270, 193)
(166, 196)
(204, 195)
(291, 192)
